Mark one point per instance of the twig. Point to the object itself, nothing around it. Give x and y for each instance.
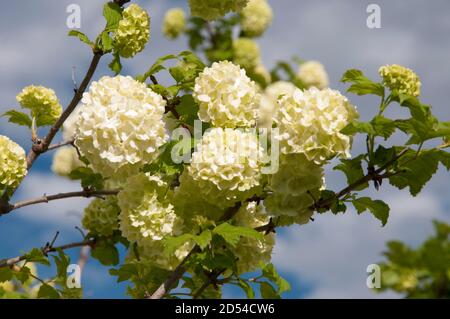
(181, 269)
(55, 146)
(11, 261)
(47, 198)
(212, 278)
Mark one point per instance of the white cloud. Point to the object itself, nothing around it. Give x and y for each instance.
(333, 252)
(62, 213)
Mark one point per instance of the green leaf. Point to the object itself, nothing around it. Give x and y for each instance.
(80, 35)
(417, 170)
(188, 109)
(37, 256)
(358, 127)
(383, 126)
(107, 42)
(232, 234)
(377, 207)
(353, 171)
(107, 254)
(48, 292)
(125, 272)
(247, 288)
(88, 178)
(203, 239)
(171, 244)
(115, 65)
(271, 273)
(156, 67)
(17, 117)
(361, 85)
(267, 291)
(6, 274)
(113, 14)
(62, 261)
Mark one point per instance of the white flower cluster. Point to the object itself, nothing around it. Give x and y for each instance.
(256, 17)
(120, 126)
(65, 161)
(310, 122)
(246, 53)
(133, 32)
(226, 96)
(213, 9)
(313, 74)
(13, 163)
(296, 184)
(146, 214)
(269, 103)
(227, 161)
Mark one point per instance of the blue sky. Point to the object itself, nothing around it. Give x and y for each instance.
(325, 259)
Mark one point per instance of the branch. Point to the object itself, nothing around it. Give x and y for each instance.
(42, 146)
(55, 146)
(48, 249)
(45, 199)
(181, 269)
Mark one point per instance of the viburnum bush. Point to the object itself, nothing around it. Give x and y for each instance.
(194, 177)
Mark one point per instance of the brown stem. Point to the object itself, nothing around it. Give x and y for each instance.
(55, 146)
(47, 198)
(11, 261)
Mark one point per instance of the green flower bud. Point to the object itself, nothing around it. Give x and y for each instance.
(42, 102)
(174, 23)
(101, 216)
(133, 32)
(400, 79)
(213, 9)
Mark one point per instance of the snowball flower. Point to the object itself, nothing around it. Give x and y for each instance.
(313, 74)
(65, 161)
(261, 72)
(310, 122)
(226, 96)
(246, 53)
(101, 217)
(42, 102)
(213, 9)
(69, 126)
(13, 163)
(229, 159)
(120, 126)
(174, 23)
(133, 32)
(294, 186)
(146, 215)
(400, 79)
(269, 102)
(256, 17)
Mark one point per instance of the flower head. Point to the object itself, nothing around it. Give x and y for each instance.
(213, 9)
(246, 53)
(133, 32)
(226, 96)
(65, 161)
(146, 215)
(400, 79)
(256, 17)
(174, 23)
(310, 123)
(313, 74)
(42, 102)
(13, 163)
(120, 126)
(101, 217)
